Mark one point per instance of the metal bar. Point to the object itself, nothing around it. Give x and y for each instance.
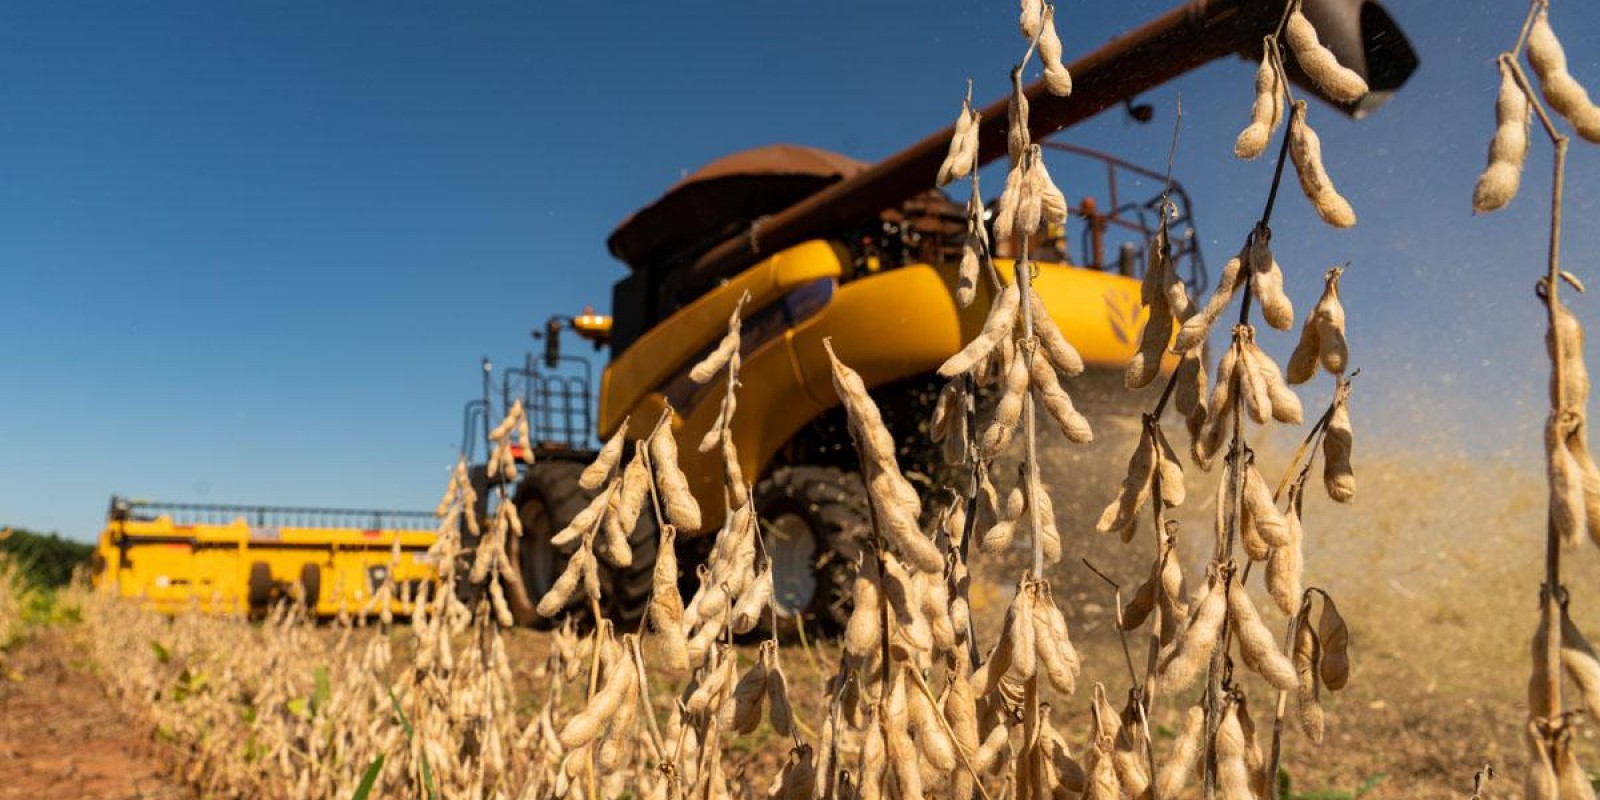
(1178, 41)
(245, 510)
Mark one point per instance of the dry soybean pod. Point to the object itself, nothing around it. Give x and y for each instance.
(865, 419)
(566, 584)
(748, 695)
(1195, 329)
(960, 709)
(1571, 777)
(999, 324)
(1019, 624)
(1052, 646)
(1047, 389)
(1285, 403)
(599, 469)
(1146, 363)
(1564, 93)
(971, 261)
(1303, 361)
(1508, 150)
(899, 508)
(1016, 125)
(1574, 389)
(1061, 353)
(929, 728)
(1578, 659)
(1308, 689)
(1305, 150)
(1189, 397)
(1567, 507)
(1056, 77)
(864, 627)
(587, 724)
(1258, 401)
(1331, 346)
(1233, 772)
(1193, 649)
(1334, 637)
(1341, 83)
(1219, 417)
(1138, 609)
(1185, 758)
(1286, 564)
(1008, 412)
(1006, 208)
(1254, 761)
(1269, 521)
(898, 747)
(1322, 337)
(1266, 282)
(1541, 782)
(1030, 203)
(1589, 472)
(1123, 511)
(1267, 110)
(1029, 20)
(1173, 491)
(1337, 440)
(1256, 642)
(681, 507)
(666, 606)
(958, 160)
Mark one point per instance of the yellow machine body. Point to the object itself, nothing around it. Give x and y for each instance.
(887, 325)
(172, 567)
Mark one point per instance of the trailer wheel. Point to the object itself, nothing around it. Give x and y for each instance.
(311, 585)
(815, 523)
(260, 587)
(547, 500)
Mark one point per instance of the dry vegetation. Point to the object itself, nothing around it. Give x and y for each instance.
(1205, 655)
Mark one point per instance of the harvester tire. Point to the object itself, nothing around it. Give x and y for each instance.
(311, 585)
(819, 515)
(260, 586)
(548, 498)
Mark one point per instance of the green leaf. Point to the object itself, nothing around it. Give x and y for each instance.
(369, 779)
(1371, 783)
(427, 772)
(323, 691)
(399, 712)
(163, 655)
(299, 707)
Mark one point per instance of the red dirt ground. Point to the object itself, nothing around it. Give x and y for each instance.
(61, 737)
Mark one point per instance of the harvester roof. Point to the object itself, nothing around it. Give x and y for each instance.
(723, 198)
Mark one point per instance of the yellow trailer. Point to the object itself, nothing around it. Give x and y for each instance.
(237, 559)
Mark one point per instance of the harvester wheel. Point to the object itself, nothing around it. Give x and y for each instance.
(815, 523)
(547, 500)
(260, 586)
(311, 584)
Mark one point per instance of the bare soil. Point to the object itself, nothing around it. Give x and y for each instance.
(61, 737)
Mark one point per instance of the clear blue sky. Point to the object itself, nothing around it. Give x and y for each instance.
(252, 251)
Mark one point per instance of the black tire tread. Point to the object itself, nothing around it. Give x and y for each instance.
(553, 484)
(833, 502)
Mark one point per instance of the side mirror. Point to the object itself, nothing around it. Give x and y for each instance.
(1364, 38)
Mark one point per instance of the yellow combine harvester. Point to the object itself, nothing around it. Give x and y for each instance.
(825, 246)
(244, 559)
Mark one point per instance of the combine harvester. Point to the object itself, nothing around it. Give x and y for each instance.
(245, 559)
(827, 246)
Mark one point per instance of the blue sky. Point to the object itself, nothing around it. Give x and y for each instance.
(251, 252)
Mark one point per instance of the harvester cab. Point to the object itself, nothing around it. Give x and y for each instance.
(822, 247)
